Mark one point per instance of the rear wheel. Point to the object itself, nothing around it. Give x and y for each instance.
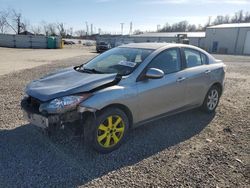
(211, 100)
(109, 130)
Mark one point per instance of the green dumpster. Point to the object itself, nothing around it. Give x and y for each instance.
(51, 42)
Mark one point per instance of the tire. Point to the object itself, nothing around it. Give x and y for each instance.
(108, 132)
(211, 100)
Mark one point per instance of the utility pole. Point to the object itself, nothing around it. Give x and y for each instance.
(131, 28)
(87, 28)
(122, 28)
(18, 24)
(91, 29)
(158, 27)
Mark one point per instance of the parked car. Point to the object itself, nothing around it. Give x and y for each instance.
(123, 88)
(102, 46)
(89, 43)
(67, 42)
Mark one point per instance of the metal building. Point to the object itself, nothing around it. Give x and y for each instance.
(228, 38)
(195, 38)
(29, 41)
(223, 39)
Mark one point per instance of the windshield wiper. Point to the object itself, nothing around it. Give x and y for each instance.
(91, 70)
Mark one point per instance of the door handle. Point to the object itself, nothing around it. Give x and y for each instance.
(207, 71)
(180, 79)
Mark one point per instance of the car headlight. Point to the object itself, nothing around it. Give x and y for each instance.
(63, 104)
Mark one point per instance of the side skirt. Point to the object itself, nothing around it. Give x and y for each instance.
(182, 109)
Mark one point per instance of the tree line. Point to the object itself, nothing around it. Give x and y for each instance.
(184, 26)
(12, 21)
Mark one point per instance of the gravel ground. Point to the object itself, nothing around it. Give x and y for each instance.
(191, 149)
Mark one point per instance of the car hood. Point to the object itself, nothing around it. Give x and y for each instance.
(66, 82)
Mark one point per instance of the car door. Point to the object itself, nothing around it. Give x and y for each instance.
(158, 96)
(197, 74)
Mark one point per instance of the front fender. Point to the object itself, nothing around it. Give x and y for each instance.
(126, 96)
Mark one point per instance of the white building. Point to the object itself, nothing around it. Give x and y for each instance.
(224, 38)
(228, 38)
(195, 38)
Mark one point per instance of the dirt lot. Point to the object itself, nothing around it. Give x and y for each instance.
(27, 58)
(191, 149)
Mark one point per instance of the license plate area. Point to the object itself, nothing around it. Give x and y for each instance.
(37, 120)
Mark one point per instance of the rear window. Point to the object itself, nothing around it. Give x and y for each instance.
(168, 61)
(193, 58)
(204, 58)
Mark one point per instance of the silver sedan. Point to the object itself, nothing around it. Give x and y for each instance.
(123, 88)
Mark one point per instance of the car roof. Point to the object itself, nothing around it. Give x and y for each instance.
(156, 45)
(153, 45)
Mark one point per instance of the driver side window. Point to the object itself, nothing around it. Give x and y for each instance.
(168, 61)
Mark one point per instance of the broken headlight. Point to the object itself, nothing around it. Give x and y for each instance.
(63, 104)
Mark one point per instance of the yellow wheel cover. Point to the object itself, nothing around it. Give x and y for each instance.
(110, 131)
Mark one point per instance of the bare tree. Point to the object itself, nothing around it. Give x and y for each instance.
(16, 24)
(61, 29)
(226, 19)
(49, 28)
(180, 26)
(137, 32)
(25, 25)
(70, 31)
(218, 20)
(209, 21)
(247, 17)
(52, 29)
(37, 30)
(238, 17)
(191, 28)
(8, 20)
(3, 21)
(45, 29)
(80, 33)
(166, 28)
(13, 20)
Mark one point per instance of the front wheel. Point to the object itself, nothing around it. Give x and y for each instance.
(211, 100)
(109, 130)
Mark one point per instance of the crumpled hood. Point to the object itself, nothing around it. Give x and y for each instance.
(66, 82)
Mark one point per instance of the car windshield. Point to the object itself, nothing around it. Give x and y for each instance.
(118, 60)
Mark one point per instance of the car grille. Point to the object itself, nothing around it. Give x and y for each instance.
(32, 104)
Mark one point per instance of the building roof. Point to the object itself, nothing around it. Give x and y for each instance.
(172, 34)
(26, 33)
(232, 25)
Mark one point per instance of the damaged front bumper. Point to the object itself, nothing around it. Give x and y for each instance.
(30, 107)
(39, 120)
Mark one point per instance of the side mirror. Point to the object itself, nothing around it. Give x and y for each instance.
(154, 73)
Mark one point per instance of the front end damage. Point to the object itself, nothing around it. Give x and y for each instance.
(50, 122)
(54, 100)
